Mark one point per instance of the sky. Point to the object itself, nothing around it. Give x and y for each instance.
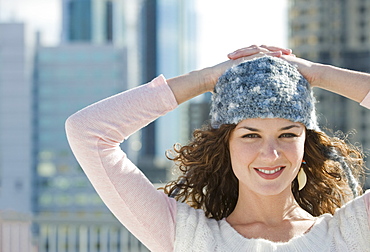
(43, 15)
(225, 25)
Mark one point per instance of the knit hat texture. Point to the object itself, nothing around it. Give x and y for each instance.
(266, 87)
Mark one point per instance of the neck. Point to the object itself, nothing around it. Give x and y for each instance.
(270, 210)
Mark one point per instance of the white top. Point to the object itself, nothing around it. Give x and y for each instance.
(347, 230)
(159, 222)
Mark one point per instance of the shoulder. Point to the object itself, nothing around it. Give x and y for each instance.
(190, 218)
(353, 212)
(357, 206)
(367, 201)
(195, 230)
(350, 225)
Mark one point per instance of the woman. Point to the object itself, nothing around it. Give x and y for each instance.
(244, 191)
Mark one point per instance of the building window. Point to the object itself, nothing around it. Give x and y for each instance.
(362, 23)
(109, 21)
(362, 9)
(46, 169)
(46, 199)
(312, 40)
(363, 39)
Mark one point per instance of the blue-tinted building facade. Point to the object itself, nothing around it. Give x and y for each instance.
(94, 21)
(68, 212)
(68, 78)
(129, 43)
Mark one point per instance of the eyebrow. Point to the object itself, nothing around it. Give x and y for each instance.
(283, 128)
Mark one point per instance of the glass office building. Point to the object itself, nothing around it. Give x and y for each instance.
(16, 141)
(338, 33)
(97, 21)
(155, 37)
(68, 212)
(68, 78)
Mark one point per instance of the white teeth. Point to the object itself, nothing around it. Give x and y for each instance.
(270, 171)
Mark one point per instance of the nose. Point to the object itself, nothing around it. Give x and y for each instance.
(269, 151)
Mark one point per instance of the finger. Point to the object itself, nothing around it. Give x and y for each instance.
(286, 51)
(246, 51)
(275, 53)
(249, 47)
(258, 55)
(252, 48)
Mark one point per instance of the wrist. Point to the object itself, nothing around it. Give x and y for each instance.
(189, 85)
(206, 79)
(320, 73)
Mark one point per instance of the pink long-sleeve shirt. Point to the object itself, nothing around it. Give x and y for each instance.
(95, 134)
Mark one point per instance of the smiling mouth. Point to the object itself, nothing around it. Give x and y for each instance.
(270, 171)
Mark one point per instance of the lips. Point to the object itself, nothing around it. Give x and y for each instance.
(270, 173)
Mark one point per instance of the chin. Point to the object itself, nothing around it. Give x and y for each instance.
(273, 190)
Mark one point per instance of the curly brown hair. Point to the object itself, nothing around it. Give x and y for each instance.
(208, 181)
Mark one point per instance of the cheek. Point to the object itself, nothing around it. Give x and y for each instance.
(295, 152)
(241, 154)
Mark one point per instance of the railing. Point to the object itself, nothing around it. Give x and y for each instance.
(65, 233)
(15, 232)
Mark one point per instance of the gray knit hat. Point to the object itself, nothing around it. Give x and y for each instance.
(266, 87)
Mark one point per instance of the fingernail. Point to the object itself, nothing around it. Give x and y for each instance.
(231, 54)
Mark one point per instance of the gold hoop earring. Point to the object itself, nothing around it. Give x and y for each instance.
(302, 179)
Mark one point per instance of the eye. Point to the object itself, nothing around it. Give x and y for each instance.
(251, 135)
(288, 135)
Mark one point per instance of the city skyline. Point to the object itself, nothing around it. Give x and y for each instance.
(222, 29)
(69, 69)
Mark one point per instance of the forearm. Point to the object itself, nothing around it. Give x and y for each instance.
(187, 86)
(348, 83)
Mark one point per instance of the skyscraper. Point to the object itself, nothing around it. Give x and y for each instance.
(333, 32)
(177, 28)
(337, 33)
(132, 24)
(160, 37)
(99, 56)
(94, 69)
(15, 117)
(68, 78)
(96, 21)
(68, 212)
(16, 56)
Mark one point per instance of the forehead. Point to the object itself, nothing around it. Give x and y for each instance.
(268, 123)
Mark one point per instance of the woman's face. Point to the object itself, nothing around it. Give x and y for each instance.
(266, 154)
